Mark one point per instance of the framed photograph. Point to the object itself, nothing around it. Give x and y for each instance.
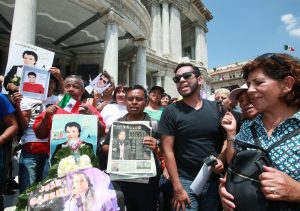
(34, 83)
(73, 130)
(22, 54)
(100, 84)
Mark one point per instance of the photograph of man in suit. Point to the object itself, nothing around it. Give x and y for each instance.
(29, 58)
(121, 149)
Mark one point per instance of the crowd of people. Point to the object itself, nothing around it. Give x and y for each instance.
(185, 132)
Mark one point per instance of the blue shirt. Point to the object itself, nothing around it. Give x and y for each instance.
(6, 107)
(286, 156)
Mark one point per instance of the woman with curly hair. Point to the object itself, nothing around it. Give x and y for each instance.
(273, 81)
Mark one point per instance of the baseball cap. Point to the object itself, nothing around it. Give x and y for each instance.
(157, 88)
(234, 93)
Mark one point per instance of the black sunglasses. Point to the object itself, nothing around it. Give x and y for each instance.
(273, 57)
(186, 76)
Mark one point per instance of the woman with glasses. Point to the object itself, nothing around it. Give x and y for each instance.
(274, 89)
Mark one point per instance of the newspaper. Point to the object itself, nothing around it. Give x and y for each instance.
(128, 158)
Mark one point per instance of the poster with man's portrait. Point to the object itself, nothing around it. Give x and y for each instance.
(73, 130)
(87, 189)
(34, 83)
(22, 54)
(99, 84)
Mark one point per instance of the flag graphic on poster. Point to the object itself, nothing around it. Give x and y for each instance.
(288, 48)
(69, 104)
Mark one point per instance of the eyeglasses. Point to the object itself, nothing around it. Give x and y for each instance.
(186, 76)
(273, 57)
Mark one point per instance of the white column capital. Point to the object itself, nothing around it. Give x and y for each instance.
(112, 17)
(140, 43)
(198, 24)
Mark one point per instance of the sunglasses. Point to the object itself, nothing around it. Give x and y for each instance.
(101, 79)
(273, 57)
(186, 76)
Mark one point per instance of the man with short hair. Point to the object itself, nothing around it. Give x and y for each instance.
(31, 86)
(74, 86)
(29, 58)
(191, 131)
(138, 196)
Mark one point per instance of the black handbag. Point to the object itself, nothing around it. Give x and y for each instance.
(243, 172)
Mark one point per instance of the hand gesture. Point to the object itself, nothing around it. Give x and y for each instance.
(150, 142)
(226, 198)
(56, 73)
(16, 99)
(180, 199)
(228, 122)
(219, 167)
(50, 111)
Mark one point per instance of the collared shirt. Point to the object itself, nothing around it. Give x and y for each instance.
(286, 156)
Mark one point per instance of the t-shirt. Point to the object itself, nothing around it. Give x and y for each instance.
(154, 114)
(31, 143)
(111, 112)
(35, 88)
(6, 107)
(197, 134)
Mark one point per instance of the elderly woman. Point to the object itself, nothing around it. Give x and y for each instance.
(274, 90)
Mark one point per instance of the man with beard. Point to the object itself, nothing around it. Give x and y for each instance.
(191, 131)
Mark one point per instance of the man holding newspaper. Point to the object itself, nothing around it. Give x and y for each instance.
(137, 178)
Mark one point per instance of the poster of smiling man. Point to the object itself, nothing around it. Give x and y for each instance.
(73, 130)
(24, 54)
(34, 83)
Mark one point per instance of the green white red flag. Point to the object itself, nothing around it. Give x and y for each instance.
(288, 48)
(69, 104)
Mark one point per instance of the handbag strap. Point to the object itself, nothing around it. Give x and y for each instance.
(245, 145)
(283, 139)
(254, 135)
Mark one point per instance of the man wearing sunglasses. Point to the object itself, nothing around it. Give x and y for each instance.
(190, 130)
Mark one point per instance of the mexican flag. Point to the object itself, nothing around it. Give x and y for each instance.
(288, 48)
(69, 104)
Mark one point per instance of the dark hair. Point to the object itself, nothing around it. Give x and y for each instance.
(73, 124)
(119, 87)
(278, 66)
(31, 73)
(137, 86)
(32, 53)
(166, 95)
(196, 70)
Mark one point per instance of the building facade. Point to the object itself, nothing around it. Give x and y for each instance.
(229, 76)
(135, 41)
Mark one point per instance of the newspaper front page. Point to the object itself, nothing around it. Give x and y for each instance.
(128, 158)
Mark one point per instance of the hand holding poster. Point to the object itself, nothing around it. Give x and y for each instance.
(99, 84)
(24, 54)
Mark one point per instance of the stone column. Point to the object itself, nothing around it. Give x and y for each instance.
(141, 67)
(132, 80)
(159, 30)
(110, 63)
(158, 80)
(127, 74)
(24, 21)
(165, 28)
(154, 39)
(200, 45)
(175, 33)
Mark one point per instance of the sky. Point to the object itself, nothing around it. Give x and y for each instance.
(244, 29)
